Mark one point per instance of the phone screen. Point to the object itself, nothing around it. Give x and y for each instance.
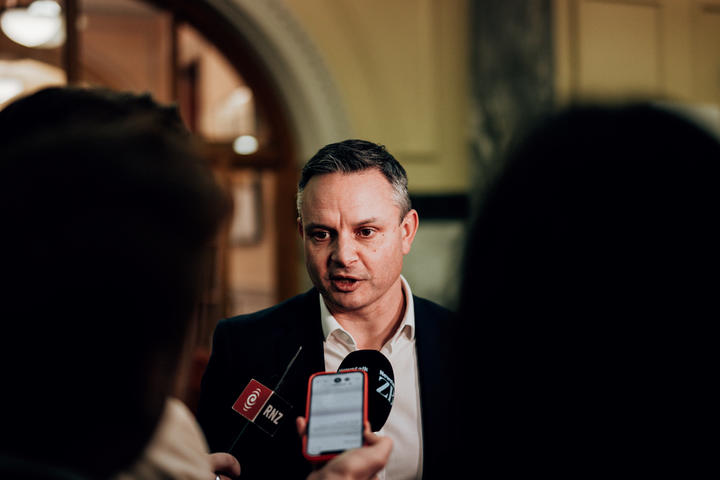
(335, 421)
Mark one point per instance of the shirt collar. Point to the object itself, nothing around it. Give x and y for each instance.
(407, 327)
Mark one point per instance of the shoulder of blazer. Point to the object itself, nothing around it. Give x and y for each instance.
(265, 341)
(428, 311)
(434, 325)
(291, 313)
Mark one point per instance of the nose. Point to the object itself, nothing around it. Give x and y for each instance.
(344, 252)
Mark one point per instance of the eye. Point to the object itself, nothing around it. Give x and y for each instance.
(319, 235)
(366, 232)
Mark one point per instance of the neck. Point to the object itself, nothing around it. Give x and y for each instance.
(373, 327)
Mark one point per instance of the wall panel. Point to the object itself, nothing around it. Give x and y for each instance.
(618, 47)
(706, 52)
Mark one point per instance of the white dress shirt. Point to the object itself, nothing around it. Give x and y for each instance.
(403, 425)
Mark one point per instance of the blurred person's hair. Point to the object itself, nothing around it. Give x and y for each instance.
(107, 212)
(589, 286)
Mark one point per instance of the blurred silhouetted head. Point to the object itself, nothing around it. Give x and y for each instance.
(588, 290)
(598, 208)
(106, 213)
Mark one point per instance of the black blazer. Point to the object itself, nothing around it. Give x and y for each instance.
(261, 345)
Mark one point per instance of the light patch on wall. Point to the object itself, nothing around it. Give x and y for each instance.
(247, 219)
(433, 265)
(27, 74)
(9, 88)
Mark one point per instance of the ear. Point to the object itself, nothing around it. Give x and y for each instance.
(300, 228)
(408, 229)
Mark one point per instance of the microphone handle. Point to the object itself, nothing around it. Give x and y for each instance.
(238, 437)
(287, 369)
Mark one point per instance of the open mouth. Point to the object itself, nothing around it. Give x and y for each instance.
(344, 284)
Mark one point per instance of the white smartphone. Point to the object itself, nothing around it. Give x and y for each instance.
(336, 413)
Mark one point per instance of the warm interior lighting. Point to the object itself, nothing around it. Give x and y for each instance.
(239, 97)
(40, 25)
(245, 145)
(9, 88)
(24, 76)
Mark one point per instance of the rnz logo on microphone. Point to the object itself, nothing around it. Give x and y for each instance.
(251, 400)
(386, 388)
(262, 406)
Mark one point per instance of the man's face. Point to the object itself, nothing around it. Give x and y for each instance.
(354, 239)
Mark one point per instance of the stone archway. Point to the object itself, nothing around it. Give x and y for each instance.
(289, 74)
(286, 63)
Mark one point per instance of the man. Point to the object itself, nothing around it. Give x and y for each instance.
(357, 224)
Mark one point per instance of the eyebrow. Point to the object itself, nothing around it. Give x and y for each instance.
(310, 226)
(365, 222)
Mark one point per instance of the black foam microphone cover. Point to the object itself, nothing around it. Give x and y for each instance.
(381, 383)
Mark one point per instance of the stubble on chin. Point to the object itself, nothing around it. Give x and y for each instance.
(335, 302)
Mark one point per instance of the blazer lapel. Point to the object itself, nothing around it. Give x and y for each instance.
(432, 344)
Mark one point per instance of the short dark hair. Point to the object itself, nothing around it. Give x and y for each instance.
(107, 210)
(355, 156)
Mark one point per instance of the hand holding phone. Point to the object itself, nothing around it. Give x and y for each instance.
(336, 413)
(364, 462)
